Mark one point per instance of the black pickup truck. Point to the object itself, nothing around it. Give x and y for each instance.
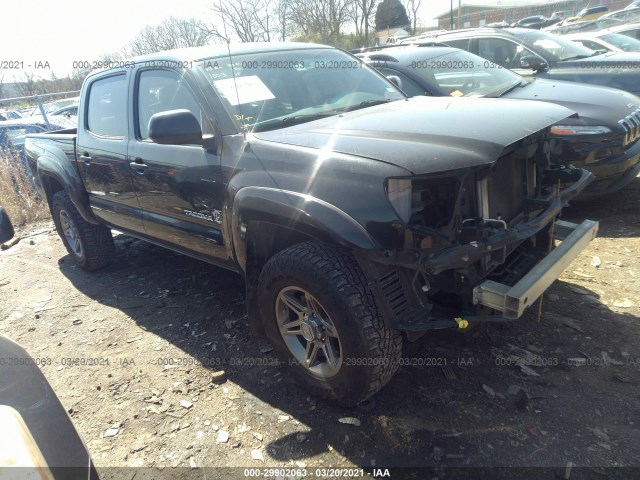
(355, 214)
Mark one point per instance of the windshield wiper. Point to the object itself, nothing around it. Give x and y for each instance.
(366, 103)
(508, 89)
(290, 120)
(307, 117)
(578, 57)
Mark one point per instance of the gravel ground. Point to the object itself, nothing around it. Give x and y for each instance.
(166, 374)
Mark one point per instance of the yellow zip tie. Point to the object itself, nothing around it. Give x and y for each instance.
(462, 323)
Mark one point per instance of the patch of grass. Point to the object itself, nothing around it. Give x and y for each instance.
(17, 194)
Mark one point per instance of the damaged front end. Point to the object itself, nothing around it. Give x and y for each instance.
(479, 242)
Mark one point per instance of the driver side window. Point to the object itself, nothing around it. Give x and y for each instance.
(503, 52)
(162, 90)
(497, 50)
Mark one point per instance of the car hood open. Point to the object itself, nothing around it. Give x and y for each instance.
(426, 135)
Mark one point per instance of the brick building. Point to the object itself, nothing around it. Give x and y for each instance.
(478, 14)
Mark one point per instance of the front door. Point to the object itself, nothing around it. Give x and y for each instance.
(180, 187)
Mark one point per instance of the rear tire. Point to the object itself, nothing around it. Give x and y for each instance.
(325, 323)
(91, 246)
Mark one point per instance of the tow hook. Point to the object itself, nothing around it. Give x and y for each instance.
(462, 323)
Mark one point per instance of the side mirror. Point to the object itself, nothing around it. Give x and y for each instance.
(210, 144)
(395, 80)
(6, 228)
(533, 63)
(175, 127)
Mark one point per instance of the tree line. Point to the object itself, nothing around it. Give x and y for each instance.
(321, 21)
(339, 23)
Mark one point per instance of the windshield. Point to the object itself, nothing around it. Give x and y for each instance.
(555, 47)
(270, 90)
(624, 43)
(463, 74)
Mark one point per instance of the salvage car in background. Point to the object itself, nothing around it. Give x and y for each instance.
(12, 139)
(353, 212)
(10, 115)
(13, 132)
(536, 22)
(603, 139)
(609, 20)
(620, 17)
(605, 41)
(533, 52)
(631, 30)
(589, 13)
(564, 29)
(52, 107)
(68, 111)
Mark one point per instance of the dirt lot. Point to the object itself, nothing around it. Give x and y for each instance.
(162, 327)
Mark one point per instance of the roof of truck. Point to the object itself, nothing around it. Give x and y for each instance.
(218, 50)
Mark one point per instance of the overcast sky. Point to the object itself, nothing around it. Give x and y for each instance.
(63, 31)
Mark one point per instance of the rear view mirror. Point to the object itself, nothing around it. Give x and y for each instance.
(6, 228)
(533, 62)
(395, 80)
(175, 127)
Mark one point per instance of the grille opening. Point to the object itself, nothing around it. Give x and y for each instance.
(631, 126)
(393, 292)
(506, 189)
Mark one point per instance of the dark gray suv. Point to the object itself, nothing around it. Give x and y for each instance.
(604, 137)
(532, 52)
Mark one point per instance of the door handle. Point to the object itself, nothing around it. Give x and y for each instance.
(86, 158)
(138, 165)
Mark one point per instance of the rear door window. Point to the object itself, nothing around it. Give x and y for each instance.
(504, 53)
(107, 113)
(462, 43)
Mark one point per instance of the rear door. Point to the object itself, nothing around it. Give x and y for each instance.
(102, 152)
(180, 187)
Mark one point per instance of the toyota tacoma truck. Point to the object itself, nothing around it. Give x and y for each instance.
(357, 216)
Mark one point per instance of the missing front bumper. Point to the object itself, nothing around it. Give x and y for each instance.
(512, 301)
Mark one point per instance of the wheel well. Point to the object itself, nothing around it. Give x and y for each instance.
(264, 241)
(50, 186)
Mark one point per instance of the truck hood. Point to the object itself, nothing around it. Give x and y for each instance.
(595, 104)
(424, 135)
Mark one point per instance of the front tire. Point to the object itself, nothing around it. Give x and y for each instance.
(323, 319)
(91, 246)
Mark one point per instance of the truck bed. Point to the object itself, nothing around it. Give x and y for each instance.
(59, 143)
(66, 134)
